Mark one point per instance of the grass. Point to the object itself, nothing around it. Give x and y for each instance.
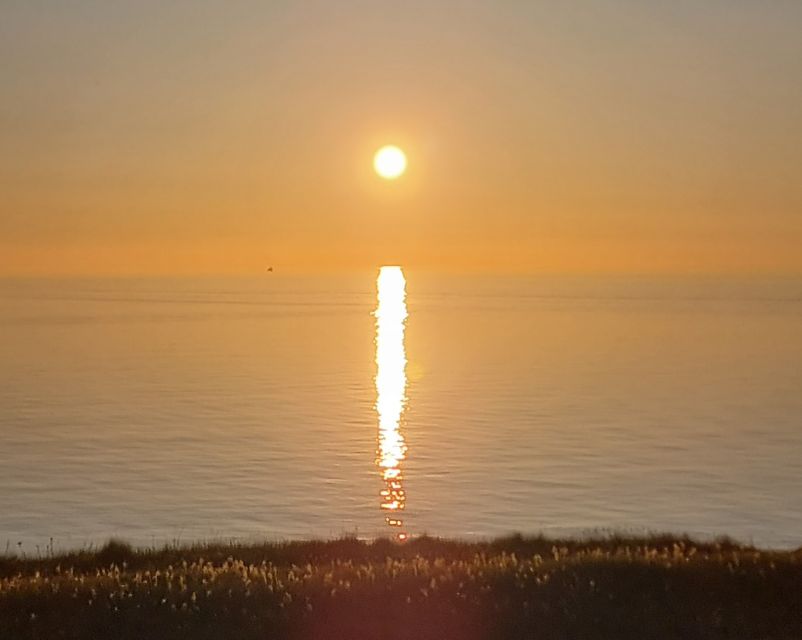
(616, 587)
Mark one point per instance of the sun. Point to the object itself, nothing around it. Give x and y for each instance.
(390, 162)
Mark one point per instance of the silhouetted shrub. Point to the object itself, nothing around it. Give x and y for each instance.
(115, 552)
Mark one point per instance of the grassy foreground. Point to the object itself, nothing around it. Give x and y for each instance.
(645, 588)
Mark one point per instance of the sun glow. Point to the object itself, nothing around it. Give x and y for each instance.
(391, 382)
(390, 162)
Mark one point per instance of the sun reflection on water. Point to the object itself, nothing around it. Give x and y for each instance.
(391, 382)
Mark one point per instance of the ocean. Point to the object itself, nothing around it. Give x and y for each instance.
(286, 407)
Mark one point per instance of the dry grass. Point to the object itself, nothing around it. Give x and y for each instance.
(657, 587)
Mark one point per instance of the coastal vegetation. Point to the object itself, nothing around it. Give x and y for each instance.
(655, 587)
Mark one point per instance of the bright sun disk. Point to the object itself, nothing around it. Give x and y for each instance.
(390, 162)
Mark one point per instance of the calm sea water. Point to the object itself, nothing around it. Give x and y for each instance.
(163, 410)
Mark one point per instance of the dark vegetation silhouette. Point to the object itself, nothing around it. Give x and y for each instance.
(656, 587)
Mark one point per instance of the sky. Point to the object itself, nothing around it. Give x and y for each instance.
(206, 137)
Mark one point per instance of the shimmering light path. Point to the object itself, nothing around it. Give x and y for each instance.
(391, 382)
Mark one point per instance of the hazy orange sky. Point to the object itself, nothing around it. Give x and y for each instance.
(220, 137)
